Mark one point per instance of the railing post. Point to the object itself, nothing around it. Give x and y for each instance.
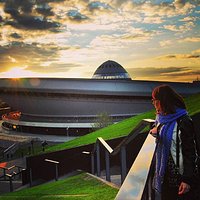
(10, 181)
(98, 160)
(19, 171)
(4, 173)
(56, 168)
(30, 177)
(123, 163)
(92, 163)
(107, 165)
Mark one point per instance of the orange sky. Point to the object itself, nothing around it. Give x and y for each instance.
(152, 40)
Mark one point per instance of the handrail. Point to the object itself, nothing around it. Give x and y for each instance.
(133, 186)
(9, 148)
(105, 144)
(56, 166)
(6, 169)
(133, 134)
(120, 148)
(11, 178)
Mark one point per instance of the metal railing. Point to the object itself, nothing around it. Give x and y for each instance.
(9, 174)
(55, 163)
(136, 185)
(121, 148)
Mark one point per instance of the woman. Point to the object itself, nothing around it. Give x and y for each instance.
(175, 146)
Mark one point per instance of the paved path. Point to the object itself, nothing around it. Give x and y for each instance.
(29, 136)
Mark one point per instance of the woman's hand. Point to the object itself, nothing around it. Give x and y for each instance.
(183, 188)
(154, 131)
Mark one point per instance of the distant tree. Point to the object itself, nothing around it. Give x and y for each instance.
(103, 119)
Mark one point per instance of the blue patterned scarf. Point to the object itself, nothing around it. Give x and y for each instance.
(164, 143)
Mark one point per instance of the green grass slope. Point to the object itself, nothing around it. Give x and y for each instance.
(78, 187)
(124, 127)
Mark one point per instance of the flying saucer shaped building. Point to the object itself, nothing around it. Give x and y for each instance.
(71, 106)
(111, 70)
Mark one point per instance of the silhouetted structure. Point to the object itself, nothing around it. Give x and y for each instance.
(70, 106)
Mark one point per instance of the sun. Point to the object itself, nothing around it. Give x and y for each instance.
(17, 72)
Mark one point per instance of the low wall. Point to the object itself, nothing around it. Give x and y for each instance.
(73, 159)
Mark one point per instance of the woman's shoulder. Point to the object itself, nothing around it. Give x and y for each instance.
(185, 122)
(184, 118)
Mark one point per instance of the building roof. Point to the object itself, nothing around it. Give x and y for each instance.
(111, 70)
(92, 86)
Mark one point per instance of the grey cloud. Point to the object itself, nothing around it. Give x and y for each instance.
(44, 9)
(15, 35)
(182, 56)
(76, 16)
(31, 22)
(21, 11)
(154, 72)
(164, 73)
(170, 56)
(13, 6)
(193, 56)
(27, 55)
(33, 56)
(96, 5)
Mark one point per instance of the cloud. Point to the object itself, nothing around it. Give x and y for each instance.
(149, 9)
(50, 67)
(22, 16)
(32, 22)
(171, 27)
(153, 20)
(188, 18)
(97, 5)
(15, 35)
(197, 51)
(191, 39)
(44, 9)
(182, 28)
(166, 73)
(165, 43)
(76, 16)
(118, 41)
(40, 58)
(180, 56)
(29, 55)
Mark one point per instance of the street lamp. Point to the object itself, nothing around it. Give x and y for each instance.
(67, 131)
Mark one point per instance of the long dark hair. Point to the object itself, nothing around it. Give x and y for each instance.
(169, 99)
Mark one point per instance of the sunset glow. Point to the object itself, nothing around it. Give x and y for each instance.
(17, 72)
(152, 40)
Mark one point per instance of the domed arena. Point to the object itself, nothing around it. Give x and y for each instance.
(71, 106)
(111, 70)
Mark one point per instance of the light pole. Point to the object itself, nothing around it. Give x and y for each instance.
(67, 131)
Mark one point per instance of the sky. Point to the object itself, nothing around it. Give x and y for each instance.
(152, 40)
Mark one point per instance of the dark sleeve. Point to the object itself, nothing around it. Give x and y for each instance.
(188, 149)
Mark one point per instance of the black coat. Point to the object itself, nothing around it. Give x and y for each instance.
(187, 135)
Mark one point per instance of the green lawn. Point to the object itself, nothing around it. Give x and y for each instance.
(123, 128)
(78, 187)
